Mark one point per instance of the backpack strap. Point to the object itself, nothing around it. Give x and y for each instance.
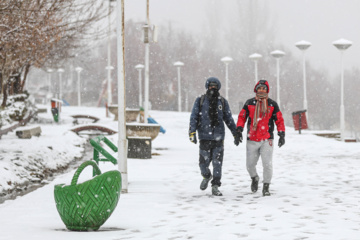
(223, 102)
(202, 98)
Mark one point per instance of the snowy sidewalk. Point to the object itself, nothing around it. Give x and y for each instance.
(315, 194)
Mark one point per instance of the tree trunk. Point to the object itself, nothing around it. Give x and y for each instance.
(1, 83)
(5, 78)
(11, 88)
(3, 104)
(17, 85)
(27, 69)
(5, 83)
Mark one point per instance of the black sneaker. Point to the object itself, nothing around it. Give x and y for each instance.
(254, 184)
(265, 190)
(205, 182)
(215, 191)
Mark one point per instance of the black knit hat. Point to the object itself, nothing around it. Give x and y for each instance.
(212, 80)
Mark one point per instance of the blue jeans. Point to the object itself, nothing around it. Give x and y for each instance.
(211, 151)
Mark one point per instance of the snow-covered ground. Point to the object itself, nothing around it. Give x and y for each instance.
(29, 160)
(315, 192)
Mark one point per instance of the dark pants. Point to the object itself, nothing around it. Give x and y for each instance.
(211, 151)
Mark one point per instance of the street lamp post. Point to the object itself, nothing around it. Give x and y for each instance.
(60, 71)
(277, 54)
(179, 65)
(255, 57)
(342, 45)
(78, 70)
(109, 100)
(109, 67)
(227, 60)
(49, 71)
(140, 67)
(146, 28)
(122, 142)
(303, 46)
(49, 94)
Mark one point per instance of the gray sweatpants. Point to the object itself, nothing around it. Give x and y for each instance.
(256, 149)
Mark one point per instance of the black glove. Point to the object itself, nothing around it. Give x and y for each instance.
(192, 137)
(238, 136)
(281, 139)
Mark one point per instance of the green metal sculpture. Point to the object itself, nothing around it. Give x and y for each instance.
(86, 206)
(95, 142)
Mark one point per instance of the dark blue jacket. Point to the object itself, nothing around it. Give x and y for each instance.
(201, 121)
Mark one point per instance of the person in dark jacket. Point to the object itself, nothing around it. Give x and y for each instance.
(208, 115)
(261, 112)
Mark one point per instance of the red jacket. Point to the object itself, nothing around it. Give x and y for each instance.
(265, 127)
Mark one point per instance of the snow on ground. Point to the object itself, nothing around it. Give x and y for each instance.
(28, 160)
(315, 193)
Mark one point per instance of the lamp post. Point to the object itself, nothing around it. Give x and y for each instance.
(49, 94)
(49, 71)
(140, 67)
(277, 54)
(255, 57)
(146, 29)
(60, 71)
(78, 70)
(109, 67)
(179, 65)
(303, 46)
(227, 60)
(122, 142)
(342, 45)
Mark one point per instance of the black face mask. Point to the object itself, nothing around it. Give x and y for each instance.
(213, 96)
(212, 92)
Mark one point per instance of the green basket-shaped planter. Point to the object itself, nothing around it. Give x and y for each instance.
(86, 206)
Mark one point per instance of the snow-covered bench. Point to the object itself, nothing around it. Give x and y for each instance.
(28, 132)
(130, 114)
(23, 122)
(79, 116)
(142, 130)
(41, 110)
(91, 127)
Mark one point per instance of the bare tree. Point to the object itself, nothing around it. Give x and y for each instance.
(33, 32)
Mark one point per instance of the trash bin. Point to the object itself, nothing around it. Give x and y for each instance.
(300, 121)
(56, 108)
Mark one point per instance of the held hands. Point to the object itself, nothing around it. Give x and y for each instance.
(281, 139)
(192, 137)
(238, 136)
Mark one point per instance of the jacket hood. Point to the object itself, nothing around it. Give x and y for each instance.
(212, 80)
(262, 82)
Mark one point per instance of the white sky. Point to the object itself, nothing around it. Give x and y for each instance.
(320, 22)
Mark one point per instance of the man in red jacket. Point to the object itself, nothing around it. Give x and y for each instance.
(261, 112)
